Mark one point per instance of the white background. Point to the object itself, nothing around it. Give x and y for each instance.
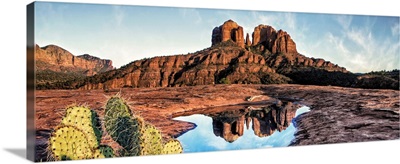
(13, 84)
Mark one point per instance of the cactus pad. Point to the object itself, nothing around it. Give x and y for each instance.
(107, 151)
(69, 143)
(151, 141)
(127, 134)
(122, 127)
(172, 147)
(87, 121)
(117, 107)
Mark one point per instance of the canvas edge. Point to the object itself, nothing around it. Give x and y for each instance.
(30, 82)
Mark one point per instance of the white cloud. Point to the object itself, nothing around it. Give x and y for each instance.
(264, 18)
(338, 45)
(50, 23)
(344, 21)
(118, 15)
(395, 29)
(279, 20)
(362, 37)
(192, 14)
(358, 50)
(282, 20)
(290, 20)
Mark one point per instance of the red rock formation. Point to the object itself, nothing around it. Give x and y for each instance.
(187, 70)
(248, 120)
(283, 43)
(226, 131)
(240, 125)
(216, 36)
(230, 30)
(248, 42)
(263, 33)
(275, 42)
(204, 68)
(289, 60)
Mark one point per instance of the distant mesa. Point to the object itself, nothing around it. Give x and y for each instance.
(55, 64)
(57, 59)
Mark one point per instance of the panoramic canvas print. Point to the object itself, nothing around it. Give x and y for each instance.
(121, 80)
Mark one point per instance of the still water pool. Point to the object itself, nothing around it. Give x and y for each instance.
(240, 130)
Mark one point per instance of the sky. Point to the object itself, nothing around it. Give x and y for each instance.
(126, 33)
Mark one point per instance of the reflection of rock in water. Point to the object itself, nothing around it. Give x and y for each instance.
(275, 117)
(266, 120)
(230, 124)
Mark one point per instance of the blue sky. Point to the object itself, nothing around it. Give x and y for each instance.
(127, 33)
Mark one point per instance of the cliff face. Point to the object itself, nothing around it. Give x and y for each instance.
(57, 59)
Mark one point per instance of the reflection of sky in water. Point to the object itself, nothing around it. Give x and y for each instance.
(202, 138)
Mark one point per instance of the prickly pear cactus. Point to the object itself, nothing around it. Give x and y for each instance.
(116, 108)
(98, 154)
(86, 120)
(151, 141)
(106, 151)
(69, 143)
(122, 126)
(172, 147)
